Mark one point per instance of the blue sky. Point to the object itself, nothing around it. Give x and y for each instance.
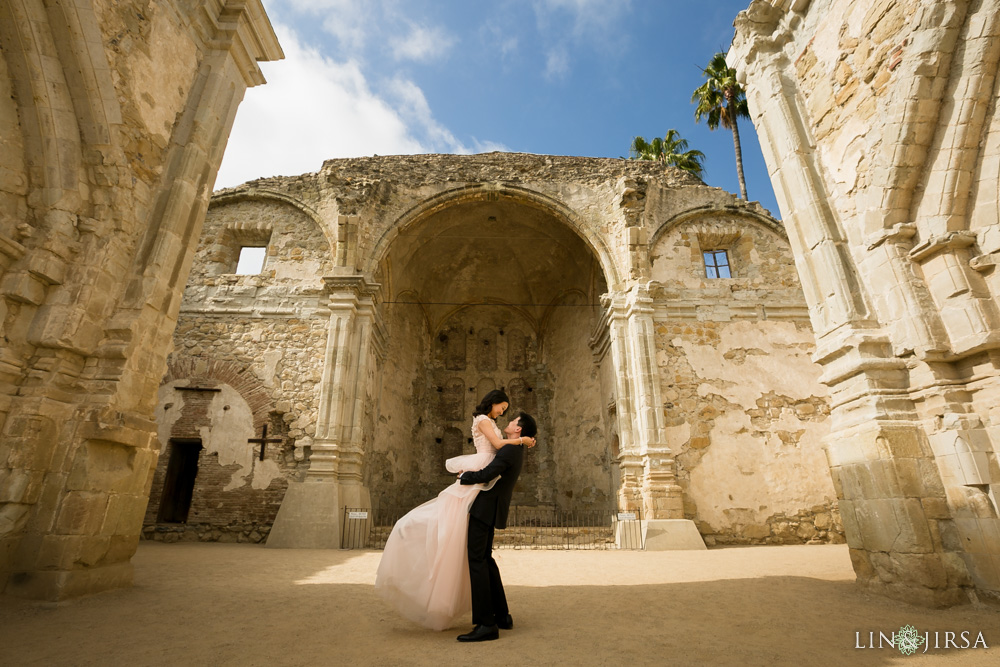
(563, 77)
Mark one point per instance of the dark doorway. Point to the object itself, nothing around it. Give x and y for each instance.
(178, 483)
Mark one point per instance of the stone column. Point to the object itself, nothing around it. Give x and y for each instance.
(112, 202)
(891, 319)
(649, 475)
(311, 512)
(892, 499)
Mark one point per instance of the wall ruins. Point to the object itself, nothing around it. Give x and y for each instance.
(578, 285)
(881, 131)
(113, 118)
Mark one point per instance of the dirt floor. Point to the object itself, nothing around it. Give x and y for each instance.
(227, 604)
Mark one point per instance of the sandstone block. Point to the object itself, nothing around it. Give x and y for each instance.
(80, 513)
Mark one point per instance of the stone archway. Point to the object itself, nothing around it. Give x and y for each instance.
(481, 291)
(212, 482)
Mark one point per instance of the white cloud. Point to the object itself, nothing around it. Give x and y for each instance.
(556, 63)
(594, 25)
(508, 47)
(357, 24)
(413, 106)
(588, 15)
(313, 109)
(494, 37)
(422, 44)
(347, 20)
(488, 146)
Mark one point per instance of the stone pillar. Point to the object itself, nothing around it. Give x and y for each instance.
(872, 161)
(311, 513)
(109, 209)
(892, 500)
(649, 477)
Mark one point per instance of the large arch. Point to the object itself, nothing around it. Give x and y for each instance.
(489, 286)
(493, 192)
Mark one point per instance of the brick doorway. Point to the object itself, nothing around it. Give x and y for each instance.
(178, 483)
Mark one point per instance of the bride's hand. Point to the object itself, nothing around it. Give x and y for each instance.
(528, 442)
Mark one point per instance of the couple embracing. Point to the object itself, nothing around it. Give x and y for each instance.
(438, 561)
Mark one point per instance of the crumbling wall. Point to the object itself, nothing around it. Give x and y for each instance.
(450, 337)
(474, 351)
(745, 410)
(236, 494)
(113, 119)
(392, 463)
(878, 122)
(268, 330)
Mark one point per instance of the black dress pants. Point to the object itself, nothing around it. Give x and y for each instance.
(488, 600)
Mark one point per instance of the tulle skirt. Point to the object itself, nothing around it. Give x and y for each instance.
(424, 571)
(469, 462)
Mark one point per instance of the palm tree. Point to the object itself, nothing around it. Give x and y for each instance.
(671, 150)
(722, 100)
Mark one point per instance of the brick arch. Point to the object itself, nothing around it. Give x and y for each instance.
(237, 376)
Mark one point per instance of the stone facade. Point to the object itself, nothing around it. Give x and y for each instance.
(113, 118)
(260, 340)
(398, 290)
(881, 130)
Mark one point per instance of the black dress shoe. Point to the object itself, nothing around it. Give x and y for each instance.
(481, 633)
(506, 623)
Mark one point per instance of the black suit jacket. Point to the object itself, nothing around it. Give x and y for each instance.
(491, 506)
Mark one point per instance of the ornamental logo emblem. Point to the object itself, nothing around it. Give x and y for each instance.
(908, 640)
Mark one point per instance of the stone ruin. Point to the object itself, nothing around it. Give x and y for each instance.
(881, 130)
(114, 116)
(397, 290)
(745, 408)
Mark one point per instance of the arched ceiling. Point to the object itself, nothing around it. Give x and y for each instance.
(488, 252)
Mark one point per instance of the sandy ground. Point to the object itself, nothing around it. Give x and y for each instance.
(221, 604)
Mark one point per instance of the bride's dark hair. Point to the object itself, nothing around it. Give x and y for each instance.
(489, 400)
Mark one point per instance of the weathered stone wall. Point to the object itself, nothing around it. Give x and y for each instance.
(745, 410)
(113, 119)
(582, 457)
(263, 335)
(437, 378)
(397, 450)
(236, 494)
(577, 285)
(879, 125)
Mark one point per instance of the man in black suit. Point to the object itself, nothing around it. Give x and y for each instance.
(489, 512)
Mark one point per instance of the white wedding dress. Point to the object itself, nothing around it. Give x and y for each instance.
(424, 571)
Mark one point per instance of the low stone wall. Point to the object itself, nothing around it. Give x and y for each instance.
(200, 532)
(819, 524)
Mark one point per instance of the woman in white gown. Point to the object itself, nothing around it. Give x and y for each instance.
(424, 571)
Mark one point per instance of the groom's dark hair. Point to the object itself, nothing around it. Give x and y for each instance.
(528, 426)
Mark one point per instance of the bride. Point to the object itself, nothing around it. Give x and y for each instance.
(424, 571)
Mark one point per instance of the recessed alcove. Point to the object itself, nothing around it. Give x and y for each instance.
(492, 294)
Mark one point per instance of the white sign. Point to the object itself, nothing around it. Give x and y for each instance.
(357, 515)
(626, 516)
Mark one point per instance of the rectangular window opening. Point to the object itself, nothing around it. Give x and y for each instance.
(717, 264)
(251, 260)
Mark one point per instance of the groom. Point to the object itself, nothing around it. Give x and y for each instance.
(488, 512)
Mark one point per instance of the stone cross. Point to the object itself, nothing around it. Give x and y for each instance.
(263, 440)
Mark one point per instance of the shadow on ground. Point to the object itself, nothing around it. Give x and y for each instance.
(243, 606)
